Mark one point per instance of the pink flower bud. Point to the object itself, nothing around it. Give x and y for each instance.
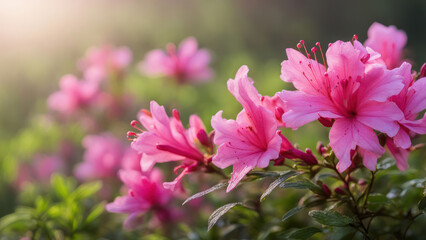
(326, 190)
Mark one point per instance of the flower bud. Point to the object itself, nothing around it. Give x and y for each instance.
(338, 190)
(326, 190)
(423, 71)
(202, 137)
(362, 182)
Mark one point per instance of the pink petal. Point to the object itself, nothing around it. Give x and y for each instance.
(402, 139)
(156, 62)
(380, 116)
(187, 48)
(344, 61)
(303, 108)
(304, 73)
(388, 41)
(416, 102)
(417, 126)
(239, 171)
(369, 159)
(379, 84)
(133, 220)
(400, 155)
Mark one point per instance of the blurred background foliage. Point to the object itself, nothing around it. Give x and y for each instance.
(40, 41)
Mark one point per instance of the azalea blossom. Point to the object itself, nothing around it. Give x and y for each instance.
(411, 100)
(105, 59)
(252, 139)
(104, 156)
(165, 140)
(388, 42)
(276, 105)
(145, 193)
(351, 92)
(186, 63)
(74, 94)
(40, 169)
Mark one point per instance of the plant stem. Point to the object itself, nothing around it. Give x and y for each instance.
(368, 190)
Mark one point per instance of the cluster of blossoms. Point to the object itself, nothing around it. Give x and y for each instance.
(77, 95)
(185, 63)
(105, 155)
(41, 169)
(357, 90)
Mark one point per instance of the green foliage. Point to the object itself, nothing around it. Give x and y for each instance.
(219, 212)
(68, 211)
(283, 177)
(304, 233)
(331, 218)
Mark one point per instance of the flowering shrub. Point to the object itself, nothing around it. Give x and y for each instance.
(368, 97)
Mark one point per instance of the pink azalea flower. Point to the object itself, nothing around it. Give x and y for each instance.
(102, 157)
(388, 41)
(73, 95)
(145, 193)
(165, 140)
(40, 170)
(276, 105)
(99, 61)
(45, 165)
(351, 92)
(411, 100)
(187, 63)
(249, 141)
(131, 160)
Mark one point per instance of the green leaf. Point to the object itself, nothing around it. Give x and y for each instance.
(285, 176)
(219, 212)
(304, 233)
(200, 194)
(331, 218)
(291, 212)
(86, 190)
(343, 233)
(264, 174)
(377, 198)
(95, 213)
(59, 186)
(422, 204)
(386, 163)
(324, 176)
(305, 184)
(24, 215)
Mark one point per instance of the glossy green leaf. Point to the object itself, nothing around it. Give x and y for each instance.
(219, 212)
(200, 194)
(285, 176)
(304, 233)
(305, 184)
(86, 190)
(331, 218)
(291, 212)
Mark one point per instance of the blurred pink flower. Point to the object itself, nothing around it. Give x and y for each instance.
(145, 193)
(388, 41)
(187, 63)
(104, 156)
(131, 160)
(249, 141)
(46, 165)
(99, 61)
(350, 92)
(165, 140)
(39, 170)
(411, 100)
(73, 95)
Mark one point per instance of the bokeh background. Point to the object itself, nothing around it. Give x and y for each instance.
(40, 41)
